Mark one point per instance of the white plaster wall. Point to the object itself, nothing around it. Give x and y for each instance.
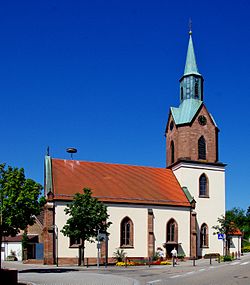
(208, 209)
(63, 241)
(182, 217)
(235, 244)
(139, 216)
(12, 246)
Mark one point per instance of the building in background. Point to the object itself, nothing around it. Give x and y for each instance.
(12, 247)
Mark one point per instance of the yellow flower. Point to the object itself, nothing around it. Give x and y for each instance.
(165, 263)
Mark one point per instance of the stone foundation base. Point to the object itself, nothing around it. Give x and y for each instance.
(33, 261)
(87, 261)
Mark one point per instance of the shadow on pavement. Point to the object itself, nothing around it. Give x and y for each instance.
(46, 270)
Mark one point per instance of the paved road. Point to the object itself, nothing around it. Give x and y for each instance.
(235, 273)
(229, 273)
(78, 278)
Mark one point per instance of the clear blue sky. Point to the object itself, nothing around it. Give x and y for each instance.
(101, 75)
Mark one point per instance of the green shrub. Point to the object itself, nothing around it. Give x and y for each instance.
(119, 255)
(245, 243)
(246, 248)
(227, 258)
(181, 256)
(156, 256)
(11, 258)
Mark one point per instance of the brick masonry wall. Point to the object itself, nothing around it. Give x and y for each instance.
(48, 234)
(193, 234)
(87, 261)
(36, 229)
(186, 138)
(150, 234)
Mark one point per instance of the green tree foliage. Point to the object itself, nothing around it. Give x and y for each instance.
(237, 216)
(247, 225)
(87, 217)
(19, 201)
(225, 226)
(234, 219)
(241, 219)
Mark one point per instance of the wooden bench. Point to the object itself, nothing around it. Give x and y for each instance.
(211, 256)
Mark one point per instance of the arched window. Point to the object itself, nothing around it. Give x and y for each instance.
(203, 186)
(204, 236)
(201, 148)
(172, 231)
(172, 151)
(196, 90)
(181, 93)
(126, 232)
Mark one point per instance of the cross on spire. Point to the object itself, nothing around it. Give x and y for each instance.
(190, 26)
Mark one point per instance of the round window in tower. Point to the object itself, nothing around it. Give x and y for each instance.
(202, 120)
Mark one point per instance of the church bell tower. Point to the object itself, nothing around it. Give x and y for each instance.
(192, 155)
(191, 131)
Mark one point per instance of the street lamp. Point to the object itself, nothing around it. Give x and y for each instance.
(98, 248)
(100, 237)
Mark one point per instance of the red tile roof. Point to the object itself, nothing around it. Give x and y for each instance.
(117, 183)
(40, 217)
(19, 238)
(236, 232)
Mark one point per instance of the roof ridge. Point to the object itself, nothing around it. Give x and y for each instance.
(108, 163)
(117, 182)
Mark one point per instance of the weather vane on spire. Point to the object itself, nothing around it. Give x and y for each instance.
(190, 26)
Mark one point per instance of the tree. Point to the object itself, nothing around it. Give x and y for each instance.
(241, 219)
(237, 216)
(226, 227)
(19, 201)
(247, 224)
(87, 217)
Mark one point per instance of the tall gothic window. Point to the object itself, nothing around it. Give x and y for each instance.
(201, 148)
(181, 93)
(172, 231)
(203, 186)
(126, 232)
(204, 236)
(172, 151)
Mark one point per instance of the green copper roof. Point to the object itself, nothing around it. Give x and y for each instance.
(48, 175)
(186, 111)
(188, 195)
(191, 66)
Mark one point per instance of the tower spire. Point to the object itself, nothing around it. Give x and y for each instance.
(190, 66)
(191, 83)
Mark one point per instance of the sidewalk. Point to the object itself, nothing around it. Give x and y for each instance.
(94, 276)
(112, 275)
(40, 267)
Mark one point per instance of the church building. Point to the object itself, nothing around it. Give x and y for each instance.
(149, 207)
